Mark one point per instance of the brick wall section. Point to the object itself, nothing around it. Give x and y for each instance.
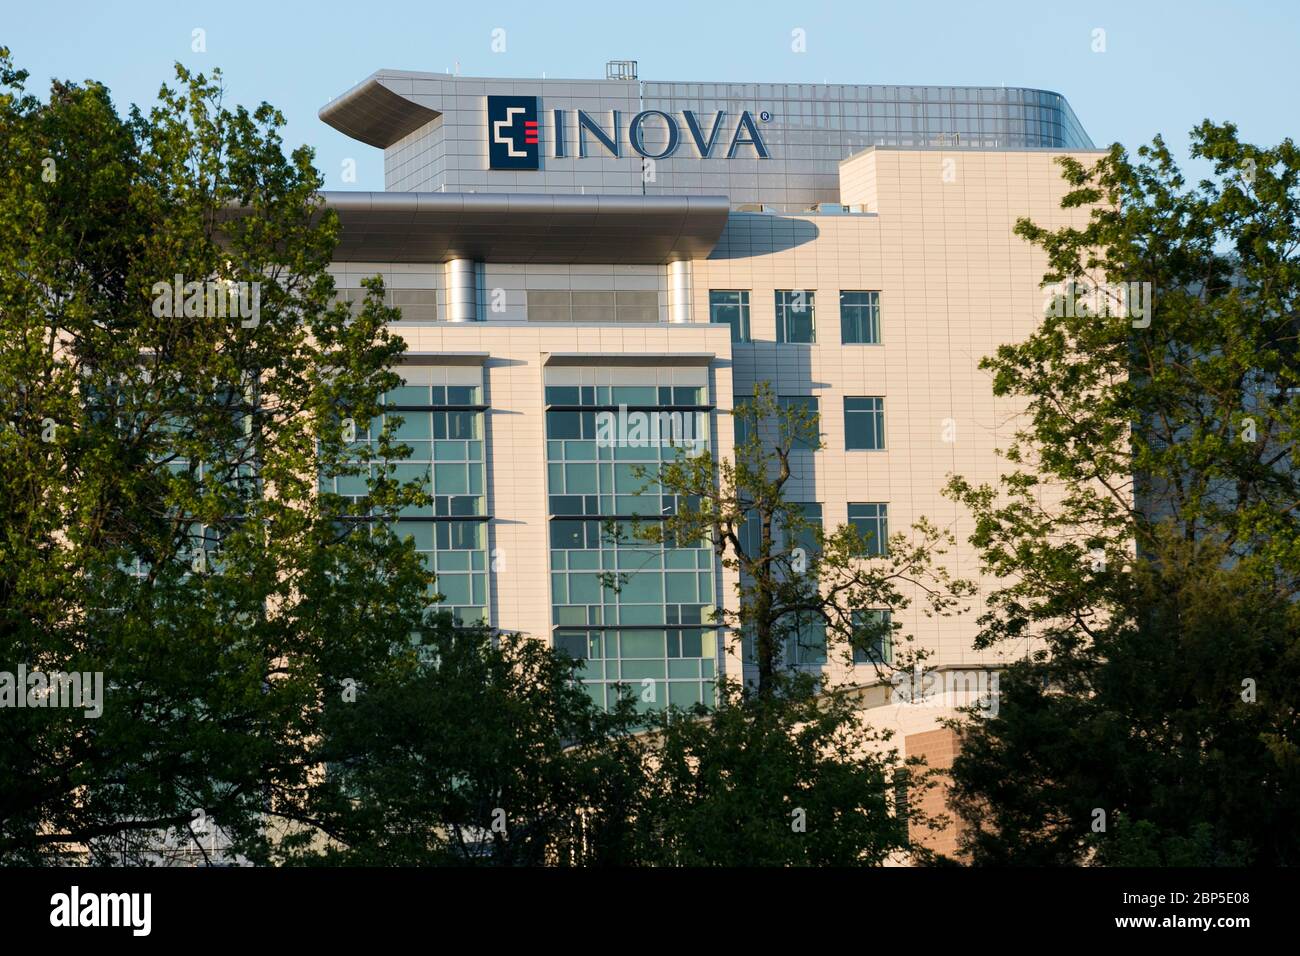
(938, 747)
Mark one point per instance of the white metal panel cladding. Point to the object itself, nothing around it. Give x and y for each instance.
(702, 138)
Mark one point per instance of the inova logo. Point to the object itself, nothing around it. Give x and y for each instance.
(513, 141)
(514, 133)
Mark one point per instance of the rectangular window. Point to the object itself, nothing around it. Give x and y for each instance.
(731, 307)
(873, 637)
(585, 306)
(872, 521)
(806, 642)
(743, 426)
(417, 305)
(864, 424)
(860, 318)
(809, 404)
(651, 624)
(794, 316)
(751, 534)
(442, 424)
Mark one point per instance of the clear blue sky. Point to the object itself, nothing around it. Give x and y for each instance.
(1167, 64)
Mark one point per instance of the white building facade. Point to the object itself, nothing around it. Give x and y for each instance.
(560, 248)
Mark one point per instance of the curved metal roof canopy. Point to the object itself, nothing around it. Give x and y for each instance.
(374, 114)
(545, 228)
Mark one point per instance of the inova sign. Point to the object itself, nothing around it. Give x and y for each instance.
(513, 133)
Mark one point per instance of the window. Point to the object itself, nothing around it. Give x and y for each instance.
(417, 305)
(563, 305)
(442, 424)
(872, 521)
(743, 426)
(860, 318)
(731, 307)
(809, 405)
(634, 396)
(794, 316)
(651, 629)
(872, 637)
(864, 424)
(805, 643)
(750, 533)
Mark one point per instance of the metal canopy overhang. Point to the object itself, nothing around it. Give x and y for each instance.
(444, 358)
(526, 228)
(629, 359)
(375, 115)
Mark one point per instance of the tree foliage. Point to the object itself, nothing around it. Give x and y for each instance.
(794, 576)
(791, 777)
(274, 659)
(1146, 535)
(158, 470)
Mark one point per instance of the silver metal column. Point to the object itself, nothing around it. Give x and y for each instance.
(462, 291)
(679, 291)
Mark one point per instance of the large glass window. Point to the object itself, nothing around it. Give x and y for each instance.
(860, 318)
(731, 307)
(751, 534)
(634, 396)
(872, 521)
(443, 427)
(806, 641)
(873, 638)
(635, 611)
(794, 316)
(864, 423)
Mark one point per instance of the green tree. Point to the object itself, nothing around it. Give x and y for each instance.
(797, 582)
(793, 777)
(159, 459)
(1146, 536)
(786, 772)
(274, 661)
(480, 749)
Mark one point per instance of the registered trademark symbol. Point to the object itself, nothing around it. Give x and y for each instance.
(765, 116)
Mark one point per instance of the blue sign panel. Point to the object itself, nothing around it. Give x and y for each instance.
(512, 128)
